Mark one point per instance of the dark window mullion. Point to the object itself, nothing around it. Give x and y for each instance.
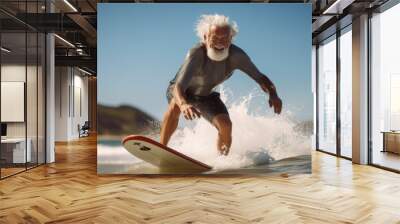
(26, 87)
(37, 90)
(317, 97)
(338, 80)
(0, 99)
(44, 71)
(369, 90)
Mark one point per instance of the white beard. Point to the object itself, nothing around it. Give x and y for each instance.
(216, 55)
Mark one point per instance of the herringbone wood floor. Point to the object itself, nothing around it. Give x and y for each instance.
(70, 191)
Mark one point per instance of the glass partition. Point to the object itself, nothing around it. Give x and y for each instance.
(14, 153)
(385, 89)
(327, 95)
(23, 91)
(346, 92)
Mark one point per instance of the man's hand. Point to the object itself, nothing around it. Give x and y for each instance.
(189, 112)
(275, 102)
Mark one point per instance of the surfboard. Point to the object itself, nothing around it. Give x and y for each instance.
(166, 159)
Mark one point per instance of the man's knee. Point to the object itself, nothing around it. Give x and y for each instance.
(223, 124)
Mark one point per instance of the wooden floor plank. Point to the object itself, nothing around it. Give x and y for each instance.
(70, 191)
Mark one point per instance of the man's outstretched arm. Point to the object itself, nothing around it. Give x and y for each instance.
(248, 67)
(268, 87)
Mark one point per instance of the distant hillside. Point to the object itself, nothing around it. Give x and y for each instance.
(123, 120)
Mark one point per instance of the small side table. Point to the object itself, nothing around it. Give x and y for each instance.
(391, 141)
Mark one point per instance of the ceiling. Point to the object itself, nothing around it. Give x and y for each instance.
(76, 22)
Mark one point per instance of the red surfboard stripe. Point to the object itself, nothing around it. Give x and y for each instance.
(151, 141)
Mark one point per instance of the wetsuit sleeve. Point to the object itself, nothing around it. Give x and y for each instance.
(191, 66)
(244, 63)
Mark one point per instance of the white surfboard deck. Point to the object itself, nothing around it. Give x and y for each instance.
(166, 159)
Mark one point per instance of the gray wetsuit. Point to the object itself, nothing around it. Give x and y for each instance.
(199, 75)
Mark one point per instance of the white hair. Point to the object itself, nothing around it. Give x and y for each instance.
(207, 21)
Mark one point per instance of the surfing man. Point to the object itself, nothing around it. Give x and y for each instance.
(208, 64)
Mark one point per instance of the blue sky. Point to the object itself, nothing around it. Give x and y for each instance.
(141, 47)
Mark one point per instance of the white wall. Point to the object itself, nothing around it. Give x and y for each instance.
(71, 87)
(61, 103)
(14, 73)
(17, 73)
(33, 126)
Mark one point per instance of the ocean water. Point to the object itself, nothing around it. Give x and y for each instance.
(259, 138)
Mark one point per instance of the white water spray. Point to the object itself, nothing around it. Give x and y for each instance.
(257, 138)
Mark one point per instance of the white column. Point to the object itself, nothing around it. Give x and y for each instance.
(50, 93)
(360, 90)
(50, 100)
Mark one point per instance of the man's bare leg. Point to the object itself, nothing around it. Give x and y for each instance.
(170, 122)
(224, 126)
